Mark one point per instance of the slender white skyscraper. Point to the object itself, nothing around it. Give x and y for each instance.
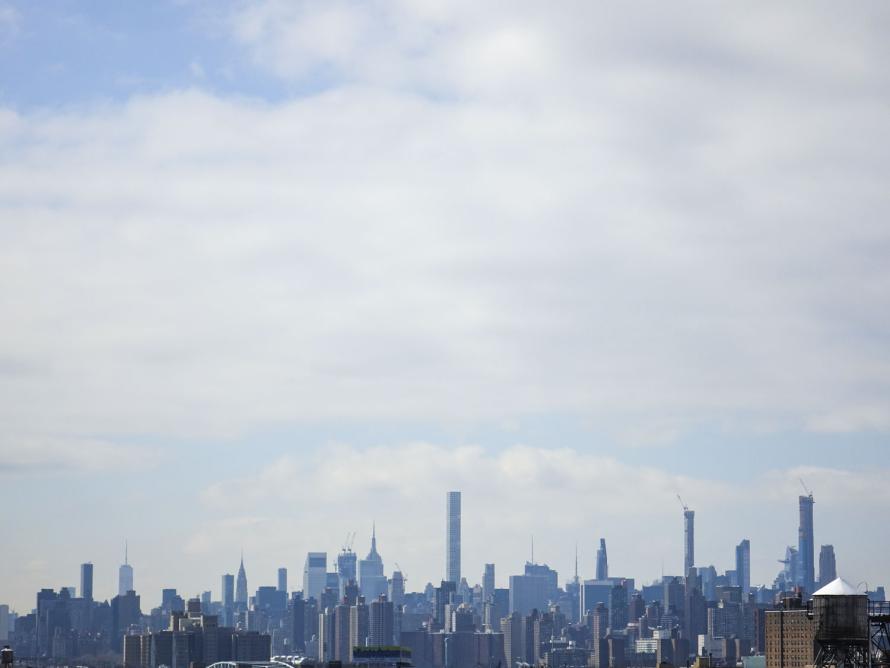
(452, 550)
(125, 576)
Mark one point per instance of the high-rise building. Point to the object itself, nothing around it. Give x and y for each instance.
(511, 627)
(532, 590)
(4, 623)
(342, 641)
(315, 575)
(371, 580)
(125, 575)
(346, 564)
(227, 595)
(805, 549)
(444, 596)
(827, 565)
(325, 633)
(125, 611)
(452, 536)
(86, 581)
(618, 608)
(488, 582)
(380, 624)
(282, 580)
(689, 540)
(789, 576)
(743, 566)
(346, 568)
(602, 561)
(241, 587)
(397, 588)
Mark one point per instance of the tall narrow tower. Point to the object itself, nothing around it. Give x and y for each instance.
(602, 561)
(452, 539)
(689, 540)
(241, 585)
(827, 565)
(86, 581)
(125, 575)
(805, 549)
(743, 565)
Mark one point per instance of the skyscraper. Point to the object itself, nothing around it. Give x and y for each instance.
(380, 622)
(227, 593)
(805, 549)
(227, 597)
(4, 623)
(371, 580)
(689, 540)
(241, 586)
(827, 565)
(602, 561)
(125, 576)
(315, 575)
(488, 582)
(397, 588)
(86, 581)
(282, 579)
(743, 565)
(452, 537)
(346, 568)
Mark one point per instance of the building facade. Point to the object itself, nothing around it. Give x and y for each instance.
(452, 538)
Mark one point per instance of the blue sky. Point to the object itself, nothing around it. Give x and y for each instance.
(273, 270)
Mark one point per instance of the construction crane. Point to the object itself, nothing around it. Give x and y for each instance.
(680, 499)
(347, 543)
(805, 488)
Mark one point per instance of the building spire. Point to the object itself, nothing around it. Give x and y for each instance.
(126, 561)
(576, 561)
(374, 536)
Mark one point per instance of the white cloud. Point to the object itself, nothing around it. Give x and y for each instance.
(45, 455)
(193, 265)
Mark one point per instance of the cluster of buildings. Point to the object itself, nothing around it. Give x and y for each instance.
(349, 612)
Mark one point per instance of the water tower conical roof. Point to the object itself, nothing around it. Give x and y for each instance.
(839, 587)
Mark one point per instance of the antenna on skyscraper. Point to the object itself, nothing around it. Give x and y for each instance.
(533, 548)
(125, 552)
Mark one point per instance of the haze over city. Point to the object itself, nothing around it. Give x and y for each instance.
(272, 273)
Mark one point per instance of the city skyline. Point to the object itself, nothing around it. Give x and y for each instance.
(742, 556)
(271, 272)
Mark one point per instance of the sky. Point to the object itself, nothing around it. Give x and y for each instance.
(273, 271)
